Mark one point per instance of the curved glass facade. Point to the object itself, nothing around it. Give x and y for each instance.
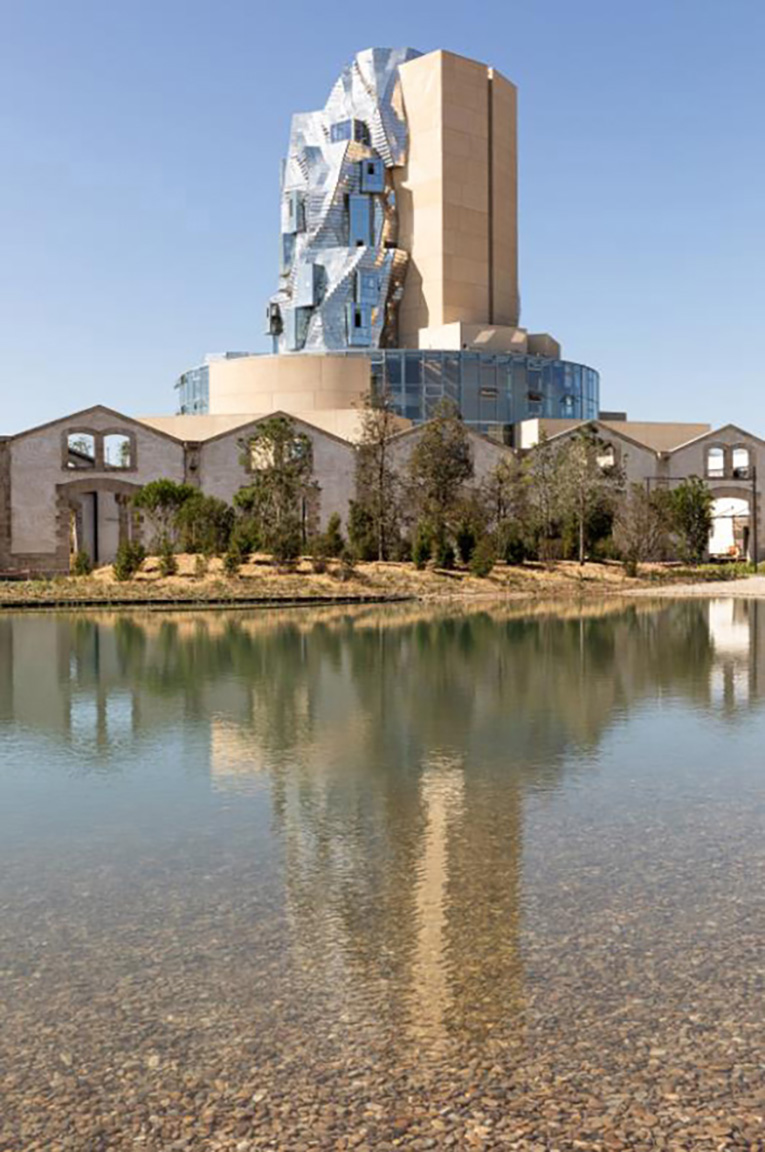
(193, 389)
(491, 389)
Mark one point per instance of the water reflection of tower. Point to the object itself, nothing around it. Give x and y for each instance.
(442, 791)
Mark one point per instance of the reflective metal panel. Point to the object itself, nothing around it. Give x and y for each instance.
(339, 208)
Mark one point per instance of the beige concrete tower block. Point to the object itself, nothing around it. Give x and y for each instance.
(302, 382)
(457, 196)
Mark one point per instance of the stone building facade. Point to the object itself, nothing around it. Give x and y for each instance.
(729, 460)
(68, 484)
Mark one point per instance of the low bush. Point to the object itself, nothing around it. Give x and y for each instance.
(130, 556)
(333, 537)
(286, 542)
(422, 546)
(347, 567)
(483, 558)
(444, 554)
(81, 563)
(514, 547)
(317, 550)
(466, 541)
(168, 564)
(361, 534)
(233, 559)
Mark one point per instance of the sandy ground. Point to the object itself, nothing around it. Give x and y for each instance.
(748, 586)
(260, 580)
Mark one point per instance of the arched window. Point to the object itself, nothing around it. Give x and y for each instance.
(715, 463)
(80, 450)
(118, 450)
(606, 457)
(741, 463)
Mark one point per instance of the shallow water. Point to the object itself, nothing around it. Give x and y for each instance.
(383, 877)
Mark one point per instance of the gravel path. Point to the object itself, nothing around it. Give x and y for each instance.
(749, 586)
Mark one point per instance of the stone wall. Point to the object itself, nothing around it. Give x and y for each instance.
(40, 478)
(221, 472)
(486, 453)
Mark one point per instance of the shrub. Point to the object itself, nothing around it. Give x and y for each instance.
(233, 559)
(466, 541)
(168, 564)
(201, 566)
(483, 557)
(347, 564)
(130, 556)
(422, 546)
(244, 539)
(333, 536)
(402, 550)
(81, 565)
(444, 553)
(361, 531)
(317, 548)
(205, 524)
(514, 546)
(286, 542)
(161, 500)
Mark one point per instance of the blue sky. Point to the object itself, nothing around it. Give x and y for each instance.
(139, 153)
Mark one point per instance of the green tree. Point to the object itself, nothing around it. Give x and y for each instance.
(422, 545)
(466, 540)
(362, 533)
(204, 524)
(333, 537)
(279, 505)
(160, 501)
(691, 517)
(439, 467)
(378, 485)
(484, 557)
(233, 559)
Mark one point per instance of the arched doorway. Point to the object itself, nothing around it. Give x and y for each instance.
(731, 535)
(95, 516)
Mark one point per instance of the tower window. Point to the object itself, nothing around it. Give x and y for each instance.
(359, 221)
(373, 175)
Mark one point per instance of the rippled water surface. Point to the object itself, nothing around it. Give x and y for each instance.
(383, 878)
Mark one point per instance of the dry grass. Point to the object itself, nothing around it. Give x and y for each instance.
(259, 579)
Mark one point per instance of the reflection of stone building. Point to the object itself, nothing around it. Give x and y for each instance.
(738, 664)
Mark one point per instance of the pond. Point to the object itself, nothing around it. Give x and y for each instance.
(386, 877)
